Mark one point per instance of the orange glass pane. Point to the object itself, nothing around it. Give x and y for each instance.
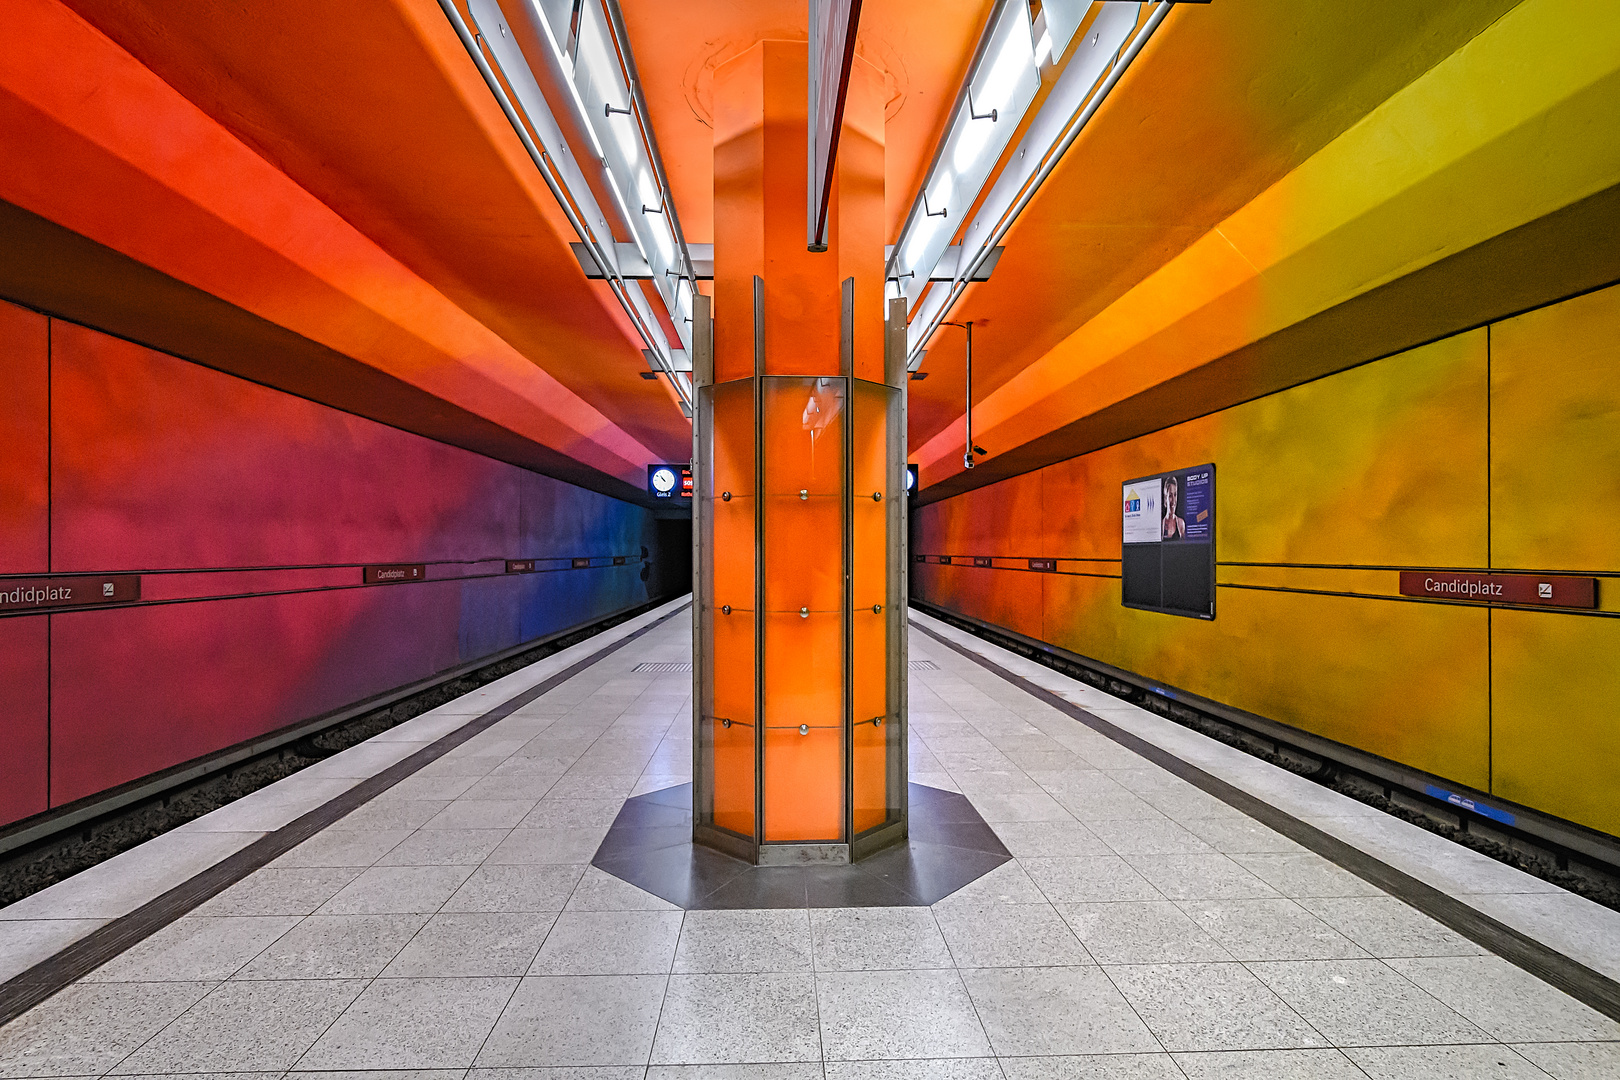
(804, 790)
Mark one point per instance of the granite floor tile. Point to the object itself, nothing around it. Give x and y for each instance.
(245, 1027)
(924, 1069)
(335, 947)
(1443, 1063)
(1209, 876)
(1237, 833)
(610, 943)
(601, 891)
(1364, 1003)
(1009, 935)
(277, 891)
(1301, 874)
(1269, 1065)
(195, 949)
(1028, 839)
(575, 1021)
(744, 942)
(1141, 932)
(888, 1015)
(536, 846)
(397, 890)
(553, 813)
(463, 945)
(88, 1028)
(862, 939)
(545, 887)
(1574, 1061)
(1270, 930)
(1507, 1002)
(1385, 926)
(1211, 1007)
(1148, 837)
(444, 847)
(476, 813)
(1055, 1010)
(1157, 1066)
(412, 1024)
(378, 815)
(1088, 878)
(343, 849)
(738, 1019)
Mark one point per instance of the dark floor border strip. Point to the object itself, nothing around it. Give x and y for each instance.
(1590, 987)
(25, 990)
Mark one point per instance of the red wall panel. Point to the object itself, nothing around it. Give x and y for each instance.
(24, 540)
(162, 463)
(24, 429)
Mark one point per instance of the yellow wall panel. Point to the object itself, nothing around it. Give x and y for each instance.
(1556, 717)
(1555, 436)
(1379, 465)
(1495, 447)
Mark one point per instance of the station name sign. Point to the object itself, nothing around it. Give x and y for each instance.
(520, 566)
(27, 594)
(392, 572)
(1550, 591)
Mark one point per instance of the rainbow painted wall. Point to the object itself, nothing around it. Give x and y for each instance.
(1497, 448)
(249, 514)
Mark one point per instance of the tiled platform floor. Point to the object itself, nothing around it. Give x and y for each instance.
(453, 928)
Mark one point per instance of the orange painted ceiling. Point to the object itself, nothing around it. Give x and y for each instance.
(374, 107)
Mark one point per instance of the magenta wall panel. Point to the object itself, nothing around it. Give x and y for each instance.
(136, 690)
(249, 515)
(24, 716)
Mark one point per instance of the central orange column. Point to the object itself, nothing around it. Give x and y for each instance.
(798, 448)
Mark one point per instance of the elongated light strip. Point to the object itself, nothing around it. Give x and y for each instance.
(526, 109)
(1110, 43)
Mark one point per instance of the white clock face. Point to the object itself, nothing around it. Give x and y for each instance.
(664, 480)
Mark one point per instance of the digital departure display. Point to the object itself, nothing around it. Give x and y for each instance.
(1167, 534)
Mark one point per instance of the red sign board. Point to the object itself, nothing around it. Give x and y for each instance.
(79, 590)
(944, 560)
(980, 560)
(1045, 566)
(394, 572)
(1549, 590)
(520, 566)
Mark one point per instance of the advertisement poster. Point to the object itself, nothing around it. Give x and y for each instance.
(1142, 500)
(1197, 509)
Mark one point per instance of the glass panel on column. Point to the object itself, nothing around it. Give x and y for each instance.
(803, 558)
(875, 503)
(724, 791)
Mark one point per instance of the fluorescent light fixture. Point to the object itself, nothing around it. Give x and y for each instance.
(1002, 74)
(1002, 83)
(629, 160)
